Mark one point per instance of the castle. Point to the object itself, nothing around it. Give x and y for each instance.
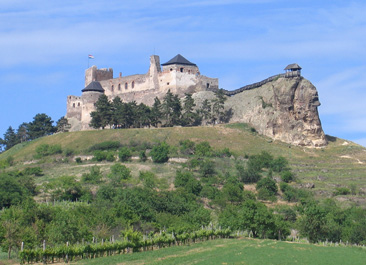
(177, 75)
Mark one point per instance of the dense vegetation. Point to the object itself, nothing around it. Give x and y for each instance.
(170, 112)
(209, 189)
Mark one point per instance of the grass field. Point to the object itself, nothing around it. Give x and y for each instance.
(241, 251)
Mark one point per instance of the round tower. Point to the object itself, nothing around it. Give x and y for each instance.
(90, 95)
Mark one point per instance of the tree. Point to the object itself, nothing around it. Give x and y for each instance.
(10, 138)
(41, 125)
(62, 125)
(102, 116)
(171, 109)
(313, 222)
(119, 173)
(11, 191)
(267, 189)
(10, 229)
(22, 132)
(124, 154)
(206, 111)
(156, 113)
(189, 117)
(117, 112)
(218, 107)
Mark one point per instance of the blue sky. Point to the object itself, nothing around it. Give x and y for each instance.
(44, 49)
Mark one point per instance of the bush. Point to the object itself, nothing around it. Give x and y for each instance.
(203, 149)
(119, 173)
(36, 171)
(279, 164)
(148, 179)
(160, 153)
(78, 160)
(342, 191)
(68, 152)
(224, 152)
(207, 168)
(46, 150)
(188, 182)
(124, 154)
(187, 147)
(287, 176)
(93, 177)
(142, 156)
(103, 155)
(107, 145)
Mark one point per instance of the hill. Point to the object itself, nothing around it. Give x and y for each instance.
(340, 164)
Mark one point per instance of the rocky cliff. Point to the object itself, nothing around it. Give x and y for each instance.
(284, 109)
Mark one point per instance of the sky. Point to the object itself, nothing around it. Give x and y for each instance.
(44, 48)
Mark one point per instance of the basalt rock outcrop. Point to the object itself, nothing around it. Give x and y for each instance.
(284, 109)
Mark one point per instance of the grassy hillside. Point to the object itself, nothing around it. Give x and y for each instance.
(241, 251)
(340, 164)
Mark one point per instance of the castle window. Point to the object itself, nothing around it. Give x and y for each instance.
(78, 104)
(133, 84)
(171, 69)
(181, 70)
(119, 87)
(189, 71)
(73, 105)
(167, 84)
(112, 88)
(126, 85)
(208, 85)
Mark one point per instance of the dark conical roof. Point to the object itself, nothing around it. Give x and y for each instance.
(179, 59)
(293, 66)
(93, 86)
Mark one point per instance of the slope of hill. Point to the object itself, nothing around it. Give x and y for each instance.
(340, 164)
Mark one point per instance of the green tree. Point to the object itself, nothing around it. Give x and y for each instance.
(10, 229)
(41, 125)
(189, 116)
(218, 114)
(313, 222)
(12, 192)
(102, 116)
(160, 153)
(206, 111)
(62, 125)
(156, 113)
(10, 138)
(22, 132)
(267, 189)
(171, 109)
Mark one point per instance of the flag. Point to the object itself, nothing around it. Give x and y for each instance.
(91, 56)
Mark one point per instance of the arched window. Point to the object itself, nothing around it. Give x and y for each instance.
(181, 70)
(112, 88)
(119, 87)
(126, 85)
(73, 105)
(133, 84)
(78, 104)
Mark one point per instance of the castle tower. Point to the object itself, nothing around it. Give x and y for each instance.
(90, 95)
(95, 74)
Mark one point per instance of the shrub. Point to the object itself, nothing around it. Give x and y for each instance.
(99, 155)
(279, 164)
(287, 176)
(78, 160)
(68, 152)
(107, 145)
(188, 182)
(224, 152)
(142, 156)
(207, 168)
(187, 147)
(36, 171)
(93, 177)
(46, 150)
(160, 153)
(342, 191)
(119, 173)
(203, 149)
(148, 179)
(110, 157)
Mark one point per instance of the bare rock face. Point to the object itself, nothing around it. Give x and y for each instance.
(285, 109)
